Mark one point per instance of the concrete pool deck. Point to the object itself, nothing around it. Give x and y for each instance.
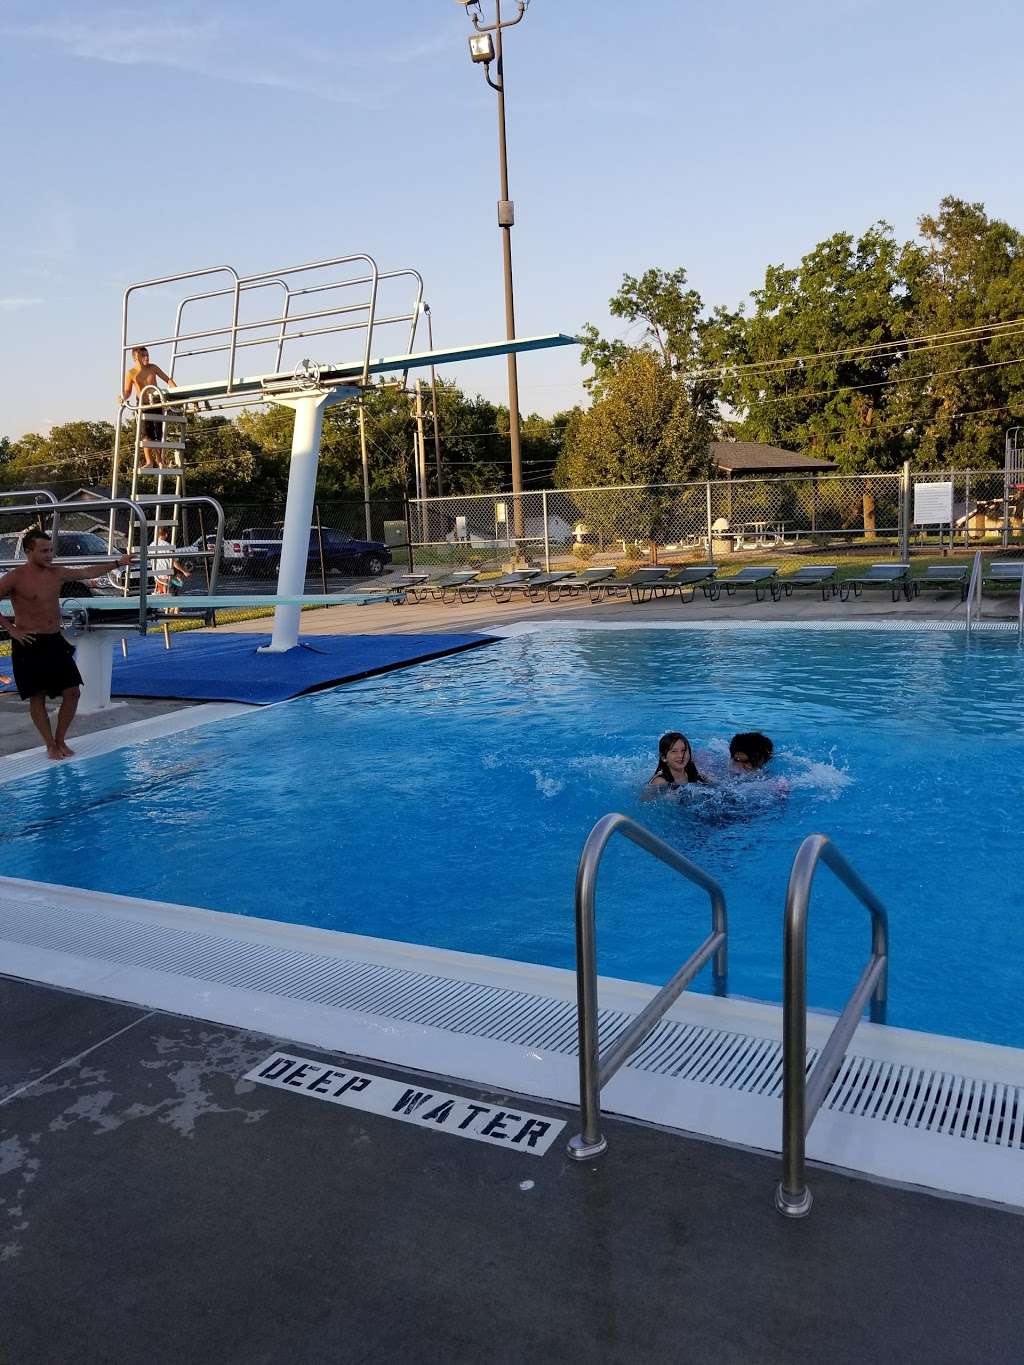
(178, 1212)
(17, 733)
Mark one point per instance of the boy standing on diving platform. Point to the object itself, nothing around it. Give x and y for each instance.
(43, 661)
(142, 377)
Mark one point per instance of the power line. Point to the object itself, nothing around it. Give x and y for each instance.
(887, 383)
(987, 332)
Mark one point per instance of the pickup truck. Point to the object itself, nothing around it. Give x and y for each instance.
(257, 554)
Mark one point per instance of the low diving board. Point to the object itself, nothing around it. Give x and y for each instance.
(225, 602)
(351, 373)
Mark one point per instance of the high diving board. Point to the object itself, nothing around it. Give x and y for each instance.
(351, 373)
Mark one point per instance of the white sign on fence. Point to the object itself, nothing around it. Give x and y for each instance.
(933, 504)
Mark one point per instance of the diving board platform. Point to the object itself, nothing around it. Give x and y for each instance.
(343, 304)
(352, 374)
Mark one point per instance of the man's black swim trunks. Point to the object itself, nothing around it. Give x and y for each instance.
(46, 666)
(152, 431)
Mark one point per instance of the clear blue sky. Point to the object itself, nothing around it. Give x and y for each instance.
(719, 135)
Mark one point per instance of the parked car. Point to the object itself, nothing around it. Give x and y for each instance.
(258, 554)
(81, 546)
(190, 556)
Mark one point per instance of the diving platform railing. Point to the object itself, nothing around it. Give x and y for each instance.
(803, 1092)
(597, 1068)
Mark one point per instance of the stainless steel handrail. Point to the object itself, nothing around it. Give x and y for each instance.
(802, 1094)
(597, 1069)
(974, 590)
(28, 493)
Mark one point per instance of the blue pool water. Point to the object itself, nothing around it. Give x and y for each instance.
(447, 804)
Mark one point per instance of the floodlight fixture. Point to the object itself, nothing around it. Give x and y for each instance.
(481, 47)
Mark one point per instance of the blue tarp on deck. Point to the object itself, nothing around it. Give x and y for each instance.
(228, 667)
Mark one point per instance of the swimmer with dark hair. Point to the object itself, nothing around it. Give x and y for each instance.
(750, 751)
(676, 767)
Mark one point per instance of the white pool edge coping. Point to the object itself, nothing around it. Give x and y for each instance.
(929, 1160)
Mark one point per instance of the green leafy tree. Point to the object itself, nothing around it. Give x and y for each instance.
(810, 367)
(73, 453)
(959, 393)
(643, 430)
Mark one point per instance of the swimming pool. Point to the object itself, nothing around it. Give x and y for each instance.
(447, 804)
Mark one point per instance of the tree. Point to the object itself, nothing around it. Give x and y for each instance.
(73, 453)
(958, 394)
(642, 430)
(809, 369)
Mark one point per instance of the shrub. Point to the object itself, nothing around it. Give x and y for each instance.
(583, 551)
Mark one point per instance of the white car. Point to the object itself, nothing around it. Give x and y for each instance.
(81, 547)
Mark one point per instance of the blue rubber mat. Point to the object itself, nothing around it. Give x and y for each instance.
(225, 667)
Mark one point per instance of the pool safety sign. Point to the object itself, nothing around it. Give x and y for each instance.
(513, 1129)
(933, 504)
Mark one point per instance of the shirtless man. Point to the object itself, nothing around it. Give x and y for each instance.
(142, 376)
(43, 661)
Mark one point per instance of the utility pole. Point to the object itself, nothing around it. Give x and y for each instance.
(483, 48)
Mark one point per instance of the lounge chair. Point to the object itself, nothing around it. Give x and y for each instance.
(445, 589)
(1006, 573)
(895, 577)
(536, 588)
(945, 578)
(646, 583)
(407, 584)
(823, 576)
(635, 583)
(579, 583)
(688, 580)
(501, 589)
(763, 578)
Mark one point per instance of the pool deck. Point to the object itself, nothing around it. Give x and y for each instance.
(17, 733)
(177, 1212)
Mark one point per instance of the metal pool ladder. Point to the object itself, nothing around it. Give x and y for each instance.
(802, 1094)
(596, 1068)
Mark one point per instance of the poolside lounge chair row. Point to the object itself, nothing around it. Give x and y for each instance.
(661, 582)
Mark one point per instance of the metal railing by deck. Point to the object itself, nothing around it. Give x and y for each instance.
(138, 519)
(596, 1068)
(23, 493)
(803, 1093)
(974, 591)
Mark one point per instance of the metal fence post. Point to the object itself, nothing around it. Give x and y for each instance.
(905, 512)
(711, 548)
(547, 539)
(408, 534)
(967, 509)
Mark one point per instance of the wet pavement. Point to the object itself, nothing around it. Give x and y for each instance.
(156, 1207)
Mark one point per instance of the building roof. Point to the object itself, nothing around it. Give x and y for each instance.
(742, 457)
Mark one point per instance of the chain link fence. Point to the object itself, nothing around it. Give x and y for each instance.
(713, 521)
(350, 541)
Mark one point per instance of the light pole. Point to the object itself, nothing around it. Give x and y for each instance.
(485, 45)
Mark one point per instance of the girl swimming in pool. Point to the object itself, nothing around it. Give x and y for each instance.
(675, 765)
